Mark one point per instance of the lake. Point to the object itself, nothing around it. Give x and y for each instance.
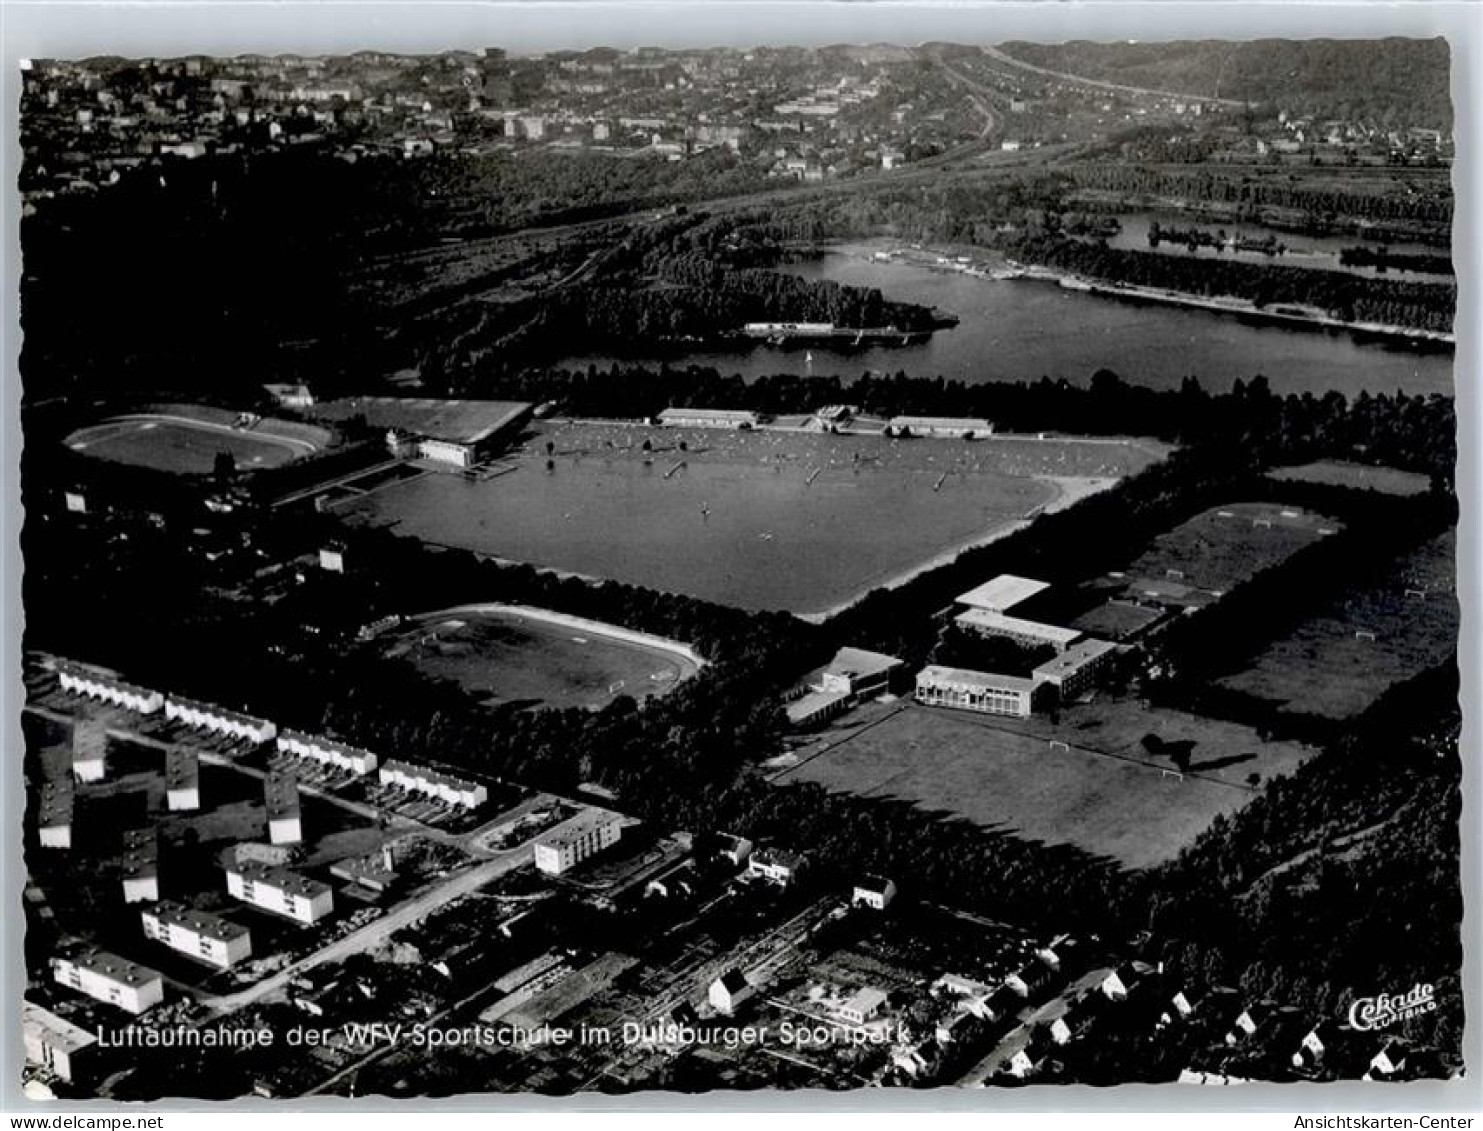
(1015, 330)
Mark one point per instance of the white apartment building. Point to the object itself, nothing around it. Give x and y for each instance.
(337, 755)
(220, 720)
(442, 787)
(205, 937)
(109, 978)
(78, 680)
(567, 845)
(54, 1043)
(280, 891)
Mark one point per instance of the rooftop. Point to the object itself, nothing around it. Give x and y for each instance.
(859, 662)
(579, 826)
(281, 878)
(807, 705)
(939, 675)
(1074, 658)
(182, 769)
(990, 621)
(57, 1032)
(281, 795)
(201, 922)
(460, 421)
(737, 414)
(111, 966)
(1002, 593)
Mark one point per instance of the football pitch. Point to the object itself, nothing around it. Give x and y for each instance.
(505, 656)
(1085, 780)
(184, 446)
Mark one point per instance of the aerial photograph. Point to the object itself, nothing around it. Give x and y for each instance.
(781, 565)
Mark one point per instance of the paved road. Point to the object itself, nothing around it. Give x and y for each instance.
(375, 933)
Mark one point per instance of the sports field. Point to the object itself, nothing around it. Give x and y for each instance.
(1338, 661)
(761, 520)
(1341, 473)
(1204, 558)
(1099, 788)
(189, 444)
(505, 656)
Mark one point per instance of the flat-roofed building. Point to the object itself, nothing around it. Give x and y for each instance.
(336, 755)
(459, 433)
(573, 841)
(956, 427)
(834, 688)
(985, 692)
(109, 978)
(54, 811)
(432, 783)
(856, 671)
(733, 418)
(89, 749)
(815, 707)
(281, 798)
(1071, 672)
(205, 937)
(1002, 593)
(182, 780)
(280, 890)
(56, 1044)
(77, 679)
(141, 877)
(986, 622)
(218, 720)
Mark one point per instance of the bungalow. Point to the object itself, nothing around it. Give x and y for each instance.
(775, 864)
(1028, 980)
(1248, 1021)
(1119, 983)
(729, 991)
(1388, 1062)
(875, 892)
(735, 849)
(863, 1006)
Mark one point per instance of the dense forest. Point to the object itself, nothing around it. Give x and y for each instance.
(1351, 298)
(1393, 82)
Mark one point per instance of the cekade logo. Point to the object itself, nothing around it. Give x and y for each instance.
(1367, 1013)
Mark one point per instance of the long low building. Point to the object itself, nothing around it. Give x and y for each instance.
(437, 785)
(109, 978)
(461, 433)
(199, 934)
(956, 427)
(220, 720)
(709, 418)
(986, 622)
(567, 845)
(106, 688)
(985, 692)
(1002, 593)
(337, 755)
(280, 890)
(853, 674)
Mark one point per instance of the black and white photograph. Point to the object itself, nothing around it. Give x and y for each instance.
(717, 562)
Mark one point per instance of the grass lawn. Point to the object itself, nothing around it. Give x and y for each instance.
(184, 446)
(1324, 668)
(1106, 793)
(505, 657)
(1341, 473)
(1224, 546)
(762, 520)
